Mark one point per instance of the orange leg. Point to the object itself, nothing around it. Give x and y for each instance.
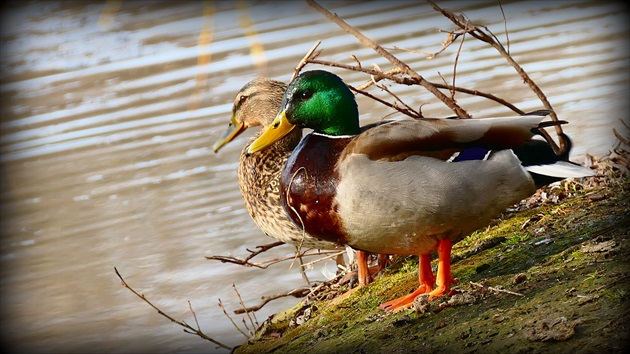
(444, 277)
(382, 261)
(426, 280)
(363, 272)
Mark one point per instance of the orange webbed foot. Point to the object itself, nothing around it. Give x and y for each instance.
(426, 280)
(444, 277)
(405, 301)
(443, 280)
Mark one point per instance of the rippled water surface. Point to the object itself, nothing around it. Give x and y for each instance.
(107, 124)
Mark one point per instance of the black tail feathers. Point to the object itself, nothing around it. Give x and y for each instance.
(540, 152)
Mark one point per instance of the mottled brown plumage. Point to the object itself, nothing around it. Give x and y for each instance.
(256, 104)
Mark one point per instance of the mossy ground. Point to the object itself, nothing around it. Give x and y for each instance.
(569, 263)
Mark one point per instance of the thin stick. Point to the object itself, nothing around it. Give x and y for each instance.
(409, 111)
(245, 262)
(478, 33)
(246, 326)
(187, 327)
(194, 314)
(505, 28)
(231, 320)
(621, 138)
(304, 60)
(303, 270)
(384, 88)
(496, 289)
(240, 299)
(391, 75)
(460, 112)
(459, 50)
(267, 263)
(300, 292)
(323, 258)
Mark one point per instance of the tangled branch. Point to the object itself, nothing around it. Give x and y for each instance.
(187, 328)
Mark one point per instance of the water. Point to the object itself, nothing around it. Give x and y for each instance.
(107, 124)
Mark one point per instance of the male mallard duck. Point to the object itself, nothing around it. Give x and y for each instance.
(404, 186)
(259, 175)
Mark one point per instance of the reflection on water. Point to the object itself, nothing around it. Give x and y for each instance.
(106, 136)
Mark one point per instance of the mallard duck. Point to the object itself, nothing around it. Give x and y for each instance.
(408, 186)
(256, 104)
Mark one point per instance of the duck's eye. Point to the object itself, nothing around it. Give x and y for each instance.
(243, 98)
(305, 95)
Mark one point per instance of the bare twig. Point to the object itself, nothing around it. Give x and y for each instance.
(240, 299)
(488, 37)
(245, 262)
(450, 39)
(408, 111)
(333, 255)
(194, 314)
(302, 270)
(459, 50)
(620, 137)
(305, 59)
(265, 264)
(356, 60)
(186, 326)
(299, 292)
(384, 88)
(460, 112)
(231, 320)
(392, 76)
(495, 289)
(505, 28)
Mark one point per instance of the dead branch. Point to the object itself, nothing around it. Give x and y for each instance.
(460, 112)
(620, 137)
(391, 75)
(397, 99)
(299, 292)
(194, 314)
(245, 262)
(483, 34)
(240, 299)
(408, 111)
(505, 28)
(231, 320)
(305, 59)
(495, 289)
(459, 50)
(265, 264)
(330, 256)
(186, 326)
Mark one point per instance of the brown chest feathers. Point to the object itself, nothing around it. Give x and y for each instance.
(309, 185)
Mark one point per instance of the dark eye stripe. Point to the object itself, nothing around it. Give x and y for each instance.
(240, 102)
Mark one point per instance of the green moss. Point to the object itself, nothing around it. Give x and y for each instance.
(560, 277)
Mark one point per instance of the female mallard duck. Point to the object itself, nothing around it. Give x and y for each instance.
(405, 186)
(259, 175)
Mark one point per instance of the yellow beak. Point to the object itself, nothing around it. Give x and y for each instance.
(276, 131)
(234, 129)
